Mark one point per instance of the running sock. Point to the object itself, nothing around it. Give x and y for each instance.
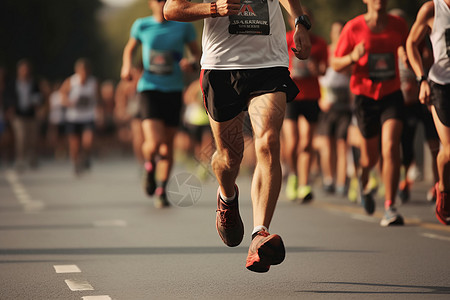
(149, 166)
(258, 229)
(227, 199)
(388, 204)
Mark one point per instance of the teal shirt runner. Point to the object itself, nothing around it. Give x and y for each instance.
(163, 46)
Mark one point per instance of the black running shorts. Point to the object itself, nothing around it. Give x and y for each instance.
(227, 92)
(308, 108)
(440, 98)
(334, 123)
(371, 114)
(161, 106)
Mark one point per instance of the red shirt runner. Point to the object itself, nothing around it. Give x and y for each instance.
(307, 83)
(376, 74)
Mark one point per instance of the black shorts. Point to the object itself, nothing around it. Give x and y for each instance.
(227, 92)
(161, 106)
(334, 123)
(371, 114)
(416, 113)
(440, 98)
(308, 108)
(79, 127)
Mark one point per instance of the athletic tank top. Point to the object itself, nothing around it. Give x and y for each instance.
(254, 38)
(440, 39)
(83, 100)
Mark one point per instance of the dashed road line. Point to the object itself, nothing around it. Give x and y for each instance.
(110, 223)
(28, 203)
(60, 269)
(78, 285)
(357, 213)
(436, 237)
(102, 297)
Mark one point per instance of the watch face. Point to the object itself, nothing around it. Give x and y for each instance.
(304, 20)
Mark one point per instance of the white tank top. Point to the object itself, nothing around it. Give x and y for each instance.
(255, 38)
(440, 39)
(83, 100)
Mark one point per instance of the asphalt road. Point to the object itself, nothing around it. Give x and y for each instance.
(99, 237)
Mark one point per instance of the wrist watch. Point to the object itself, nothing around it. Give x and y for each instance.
(420, 79)
(303, 20)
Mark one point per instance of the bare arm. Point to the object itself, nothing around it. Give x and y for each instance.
(301, 36)
(185, 11)
(64, 90)
(416, 36)
(421, 27)
(127, 58)
(340, 64)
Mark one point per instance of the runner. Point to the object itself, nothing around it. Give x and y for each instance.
(160, 89)
(245, 66)
(25, 98)
(302, 114)
(415, 112)
(433, 18)
(334, 121)
(79, 94)
(370, 43)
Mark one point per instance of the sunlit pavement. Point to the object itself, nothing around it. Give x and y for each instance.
(99, 237)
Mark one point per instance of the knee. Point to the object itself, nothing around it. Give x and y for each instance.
(267, 145)
(227, 159)
(391, 151)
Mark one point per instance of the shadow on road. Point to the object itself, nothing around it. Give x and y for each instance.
(380, 289)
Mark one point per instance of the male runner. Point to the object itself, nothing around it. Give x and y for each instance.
(245, 66)
(370, 43)
(160, 89)
(433, 18)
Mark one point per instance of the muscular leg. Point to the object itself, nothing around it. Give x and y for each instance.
(391, 134)
(369, 157)
(226, 160)
(341, 162)
(290, 133)
(305, 150)
(166, 153)
(443, 158)
(153, 137)
(266, 114)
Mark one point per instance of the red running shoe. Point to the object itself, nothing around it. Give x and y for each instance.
(265, 250)
(228, 221)
(442, 206)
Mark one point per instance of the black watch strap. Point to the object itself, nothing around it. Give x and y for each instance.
(420, 79)
(303, 20)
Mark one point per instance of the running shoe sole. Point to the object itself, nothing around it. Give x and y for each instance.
(271, 252)
(442, 208)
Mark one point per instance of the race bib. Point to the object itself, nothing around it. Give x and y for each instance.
(161, 62)
(381, 66)
(84, 102)
(447, 41)
(253, 18)
(300, 68)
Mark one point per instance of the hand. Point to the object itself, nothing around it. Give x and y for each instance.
(424, 93)
(358, 52)
(228, 7)
(125, 73)
(302, 43)
(186, 65)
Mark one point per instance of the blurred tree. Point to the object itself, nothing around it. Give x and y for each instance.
(52, 34)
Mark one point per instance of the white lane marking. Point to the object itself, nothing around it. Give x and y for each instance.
(365, 218)
(102, 297)
(436, 237)
(67, 269)
(110, 223)
(29, 204)
(78, 285)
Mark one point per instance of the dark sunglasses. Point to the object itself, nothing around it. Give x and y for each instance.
(160, 0)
